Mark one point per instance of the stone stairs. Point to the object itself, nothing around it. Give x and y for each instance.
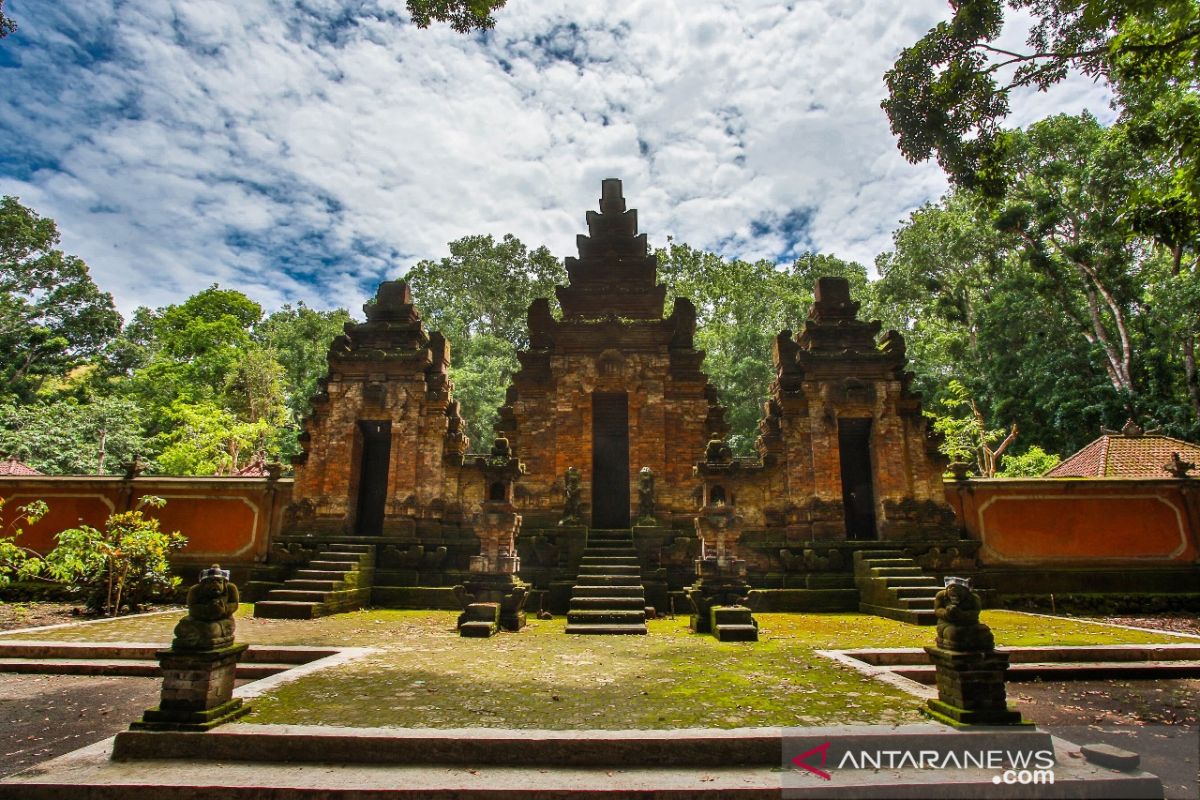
(892, 585)
(337, 579)
(608, 597)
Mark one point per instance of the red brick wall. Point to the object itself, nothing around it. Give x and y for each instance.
(228, 520)
(1081, 522)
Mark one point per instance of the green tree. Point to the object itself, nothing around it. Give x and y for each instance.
(205, 439)
(740, 308)
(949, 92)
(17, 562)
(211, 394)
(464, 16)
(52, 316)
(7, 25)
(478, 297)
(1032, 463)
(123, 566)
(300, 337)
(69, 437)
(967, 436)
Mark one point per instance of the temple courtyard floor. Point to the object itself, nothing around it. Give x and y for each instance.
(410, 669)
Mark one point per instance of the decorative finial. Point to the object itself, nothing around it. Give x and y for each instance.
(1177, 467)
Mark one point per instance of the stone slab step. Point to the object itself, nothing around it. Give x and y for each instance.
(609, 569)
(321, 574)
(606, 629)
(351, 548)
(913, 617)
(277, 763)
(610, 591)
(607, 617)
(1112, 670)
(598, 603)
(913, 581)
(343, 558)
(338, 566)
(736, 633)
(922, 603)
(915, 591)
(601, 552)
(145, 651)
(286, 609)
(316, 586)
(478, 629)
(609, 580)
(609, 560)
(304, 595)
(122, 667)
(888, 572)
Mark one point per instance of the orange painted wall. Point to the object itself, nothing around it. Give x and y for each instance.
(1071, 521)
(229, 520)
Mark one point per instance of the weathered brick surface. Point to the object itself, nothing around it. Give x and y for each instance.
(614, 337)
(388, 369)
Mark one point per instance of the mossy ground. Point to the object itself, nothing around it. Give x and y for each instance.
(425, 675)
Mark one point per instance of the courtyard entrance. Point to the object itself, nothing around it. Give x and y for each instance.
(858, 495)
(373, 477)
(610, 460)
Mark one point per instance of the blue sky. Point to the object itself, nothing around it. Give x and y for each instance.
(307, 149)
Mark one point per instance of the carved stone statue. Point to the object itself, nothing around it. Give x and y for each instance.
(572, 498)
(646, 495)
(209, 622)
(958, 627)
(717, 451)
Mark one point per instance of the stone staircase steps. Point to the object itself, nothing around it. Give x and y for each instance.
(608, 597)
(592, 603)
(892, 585)
(610, 580)
(582, 591)
(336, 579)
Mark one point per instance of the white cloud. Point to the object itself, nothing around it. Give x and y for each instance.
(278, 148)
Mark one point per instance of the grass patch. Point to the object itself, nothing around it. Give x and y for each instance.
(425, 675)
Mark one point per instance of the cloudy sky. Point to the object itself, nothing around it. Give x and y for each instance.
(306, 149)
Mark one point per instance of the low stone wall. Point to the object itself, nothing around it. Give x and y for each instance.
(227, 520)
(1097, 535)
(1067, 522)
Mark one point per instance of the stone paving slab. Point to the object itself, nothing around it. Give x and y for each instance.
(90, 774)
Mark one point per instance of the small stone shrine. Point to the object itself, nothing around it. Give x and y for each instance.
(611, 456)
(970, 671)
(199, 669)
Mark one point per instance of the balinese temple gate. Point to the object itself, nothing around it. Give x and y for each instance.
(610, 488)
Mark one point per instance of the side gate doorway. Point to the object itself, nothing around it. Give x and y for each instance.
(373, 477)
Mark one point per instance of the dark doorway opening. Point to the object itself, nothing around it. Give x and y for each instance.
(858, 493)
(610, 460)
(373, 477)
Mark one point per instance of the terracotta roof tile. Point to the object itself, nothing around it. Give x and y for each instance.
(12, 466)
(1118, 456)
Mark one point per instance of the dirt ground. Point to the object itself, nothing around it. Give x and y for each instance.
(33, 615)
(1158, 719)
(48, 715)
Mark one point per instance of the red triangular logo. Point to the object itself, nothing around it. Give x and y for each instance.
(823, 749)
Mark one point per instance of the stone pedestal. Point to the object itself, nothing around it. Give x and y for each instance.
(479, 620)
(971, 688)
(733, 624)
(197, 691)
(502, 589)
(721, 582)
